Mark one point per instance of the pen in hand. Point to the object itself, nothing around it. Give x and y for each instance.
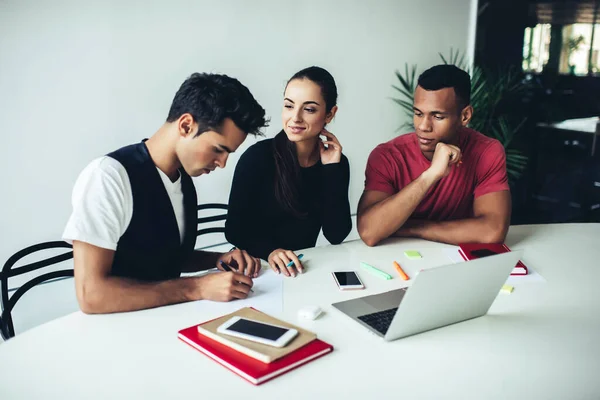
(292, 262)
(229, 269)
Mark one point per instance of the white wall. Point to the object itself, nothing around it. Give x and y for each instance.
(81, 78)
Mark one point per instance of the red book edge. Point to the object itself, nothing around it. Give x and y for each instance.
(520, 268)
(218, 351)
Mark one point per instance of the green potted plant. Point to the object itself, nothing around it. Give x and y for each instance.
(573, 44)
(487, 92)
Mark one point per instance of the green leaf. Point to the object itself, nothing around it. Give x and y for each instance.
(461, 63)
(403, 103)
(403, 91)
(403, 81)
(517, 158)
(442, 57)
(408, 107)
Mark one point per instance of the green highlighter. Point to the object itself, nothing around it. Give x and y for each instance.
(375, 271)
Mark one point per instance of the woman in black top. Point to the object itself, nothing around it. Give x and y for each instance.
(287, 188)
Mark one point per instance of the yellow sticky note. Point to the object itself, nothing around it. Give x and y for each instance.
(507, 289)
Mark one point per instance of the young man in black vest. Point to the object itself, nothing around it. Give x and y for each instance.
(133, 225)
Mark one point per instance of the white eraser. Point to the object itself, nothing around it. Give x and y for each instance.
(310, 312)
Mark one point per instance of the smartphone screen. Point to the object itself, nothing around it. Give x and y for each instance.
(258, 329)
(483, 253)
(347, 279)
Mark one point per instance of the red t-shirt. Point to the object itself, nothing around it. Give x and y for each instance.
(393, 165)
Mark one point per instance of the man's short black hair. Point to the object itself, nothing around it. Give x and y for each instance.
(210, 98)
(448, 76)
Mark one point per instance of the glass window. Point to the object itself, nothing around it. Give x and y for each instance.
(574, 55)
(536, 48)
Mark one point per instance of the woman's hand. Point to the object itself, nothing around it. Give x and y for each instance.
(279, 260)
(333, 153)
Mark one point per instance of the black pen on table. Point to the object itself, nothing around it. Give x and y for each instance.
(229, 269)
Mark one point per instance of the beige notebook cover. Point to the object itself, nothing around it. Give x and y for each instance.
(261, 352)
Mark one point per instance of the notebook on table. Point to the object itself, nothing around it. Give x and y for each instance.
(472, 251)
(261, 352)
(249, 368)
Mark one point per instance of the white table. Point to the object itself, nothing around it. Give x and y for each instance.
(586, 126)
(540, 342)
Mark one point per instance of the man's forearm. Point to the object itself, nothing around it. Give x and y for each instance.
(470, 230)
(201, 261)
(383, 219)
(114, 294)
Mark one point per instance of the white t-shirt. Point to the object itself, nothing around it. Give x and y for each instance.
(103, 204)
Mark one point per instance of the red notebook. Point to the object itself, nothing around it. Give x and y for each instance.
(250, 368)
(471, 251)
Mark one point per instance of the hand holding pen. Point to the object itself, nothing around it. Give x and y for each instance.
(242, 262)
(220, 287)
(285, 262)
(227, 268)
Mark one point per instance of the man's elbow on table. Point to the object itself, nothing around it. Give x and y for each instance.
(369, 240)
(367, 235)
(89, 297)
(494, 232)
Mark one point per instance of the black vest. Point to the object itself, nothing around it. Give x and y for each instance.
(150, 249)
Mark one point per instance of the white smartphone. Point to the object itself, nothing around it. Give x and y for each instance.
(256, 331)
(348, 280)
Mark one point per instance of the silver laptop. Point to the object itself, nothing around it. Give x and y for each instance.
(438, 297)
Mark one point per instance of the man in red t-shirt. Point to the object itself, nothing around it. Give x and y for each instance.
(444, 182)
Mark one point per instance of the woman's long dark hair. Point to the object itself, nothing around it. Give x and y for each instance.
(287, 168)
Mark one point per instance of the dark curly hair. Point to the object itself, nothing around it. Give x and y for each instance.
(448, 76)
(210, 98)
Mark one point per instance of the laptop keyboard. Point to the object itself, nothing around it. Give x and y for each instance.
(380, 321)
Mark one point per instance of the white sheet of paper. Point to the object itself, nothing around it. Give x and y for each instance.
(532, 276)
(453, 255)
(267, 297)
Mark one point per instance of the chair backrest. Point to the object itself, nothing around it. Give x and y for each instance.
(213, 218)
(7, 329)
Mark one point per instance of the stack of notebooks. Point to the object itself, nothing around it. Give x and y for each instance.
(255, 362)
(472, 251)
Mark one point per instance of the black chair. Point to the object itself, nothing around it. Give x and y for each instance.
(213, 218)
(7, 329)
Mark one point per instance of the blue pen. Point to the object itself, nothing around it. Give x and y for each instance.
(292, 262)
(229, 269)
